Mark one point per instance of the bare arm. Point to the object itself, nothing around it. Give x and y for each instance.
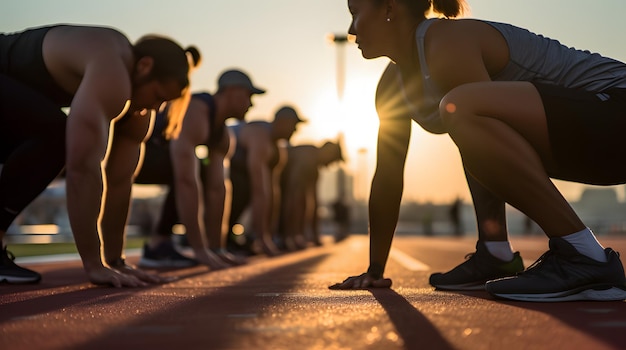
(394, 134)
(218, 197)
(215, 194)
(95, 63)
(260, 149)
(386, 192)
(101, 97)
(122, 161)
(276, 200)
(312, 206)
(387, 185)
(189, 198)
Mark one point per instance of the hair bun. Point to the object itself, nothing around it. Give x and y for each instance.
(195, 55)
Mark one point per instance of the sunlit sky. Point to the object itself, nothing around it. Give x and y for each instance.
(282, 45)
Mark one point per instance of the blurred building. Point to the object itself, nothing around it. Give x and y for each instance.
(599, 207)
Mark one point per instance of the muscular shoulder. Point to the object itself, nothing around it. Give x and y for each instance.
(256, 130)
(195, 128)
(303, 154)
(197, 110)
(465, 50)
(390, 101)
(256, 137)
(448, 29)
(87, 40)
(70, 51)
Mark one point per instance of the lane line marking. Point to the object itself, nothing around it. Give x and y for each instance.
(407, 261)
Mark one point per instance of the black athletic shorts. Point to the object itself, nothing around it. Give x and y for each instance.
(587, 133)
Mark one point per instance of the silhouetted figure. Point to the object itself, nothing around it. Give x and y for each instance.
(255, 169)
(342, 219)
(299, 193)
(455, 217)
(427, 221)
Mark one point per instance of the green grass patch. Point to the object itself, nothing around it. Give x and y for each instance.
(36, 249)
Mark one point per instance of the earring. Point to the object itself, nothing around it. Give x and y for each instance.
(388, 19)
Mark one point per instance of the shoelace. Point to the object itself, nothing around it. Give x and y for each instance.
(469, 261)
(548, 259)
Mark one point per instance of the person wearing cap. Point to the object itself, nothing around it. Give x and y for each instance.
(299, 192)
(196, 188)
(255, 170)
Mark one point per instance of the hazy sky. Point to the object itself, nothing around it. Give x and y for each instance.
(282, 45)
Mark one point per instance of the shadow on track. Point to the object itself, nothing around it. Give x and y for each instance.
(415, 329)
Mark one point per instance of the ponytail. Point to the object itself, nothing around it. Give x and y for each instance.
(447, 8)
(177, 108)
(175, 114)
(450, 8)
(193, 56)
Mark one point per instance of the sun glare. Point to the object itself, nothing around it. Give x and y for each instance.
(354, 121)
(354, 118)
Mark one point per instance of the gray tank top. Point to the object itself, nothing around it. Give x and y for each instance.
(533, 58)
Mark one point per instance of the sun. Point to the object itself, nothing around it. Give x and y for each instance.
(353, 119)
(359, 127)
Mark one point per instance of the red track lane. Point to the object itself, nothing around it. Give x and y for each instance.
(284, 303)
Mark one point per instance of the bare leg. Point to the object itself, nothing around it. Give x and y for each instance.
(505, 147)
(490, 212)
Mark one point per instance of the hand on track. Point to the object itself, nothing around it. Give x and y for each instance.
(362, 281)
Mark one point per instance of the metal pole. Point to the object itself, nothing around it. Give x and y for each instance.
(340, 41)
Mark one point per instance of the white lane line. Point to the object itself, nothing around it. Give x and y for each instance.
(407, 261)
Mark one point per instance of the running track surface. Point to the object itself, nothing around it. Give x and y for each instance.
(284, 303)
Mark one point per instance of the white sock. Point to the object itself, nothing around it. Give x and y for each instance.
(500, 249)
(586, 243)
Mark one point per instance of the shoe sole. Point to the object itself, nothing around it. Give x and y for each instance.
(19, 280)
(461, 287)
(164, 263)
(598, 293)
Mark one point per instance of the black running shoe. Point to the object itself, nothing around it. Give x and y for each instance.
(479, 268)
(14, 274)
(563, 274)
(164, 255)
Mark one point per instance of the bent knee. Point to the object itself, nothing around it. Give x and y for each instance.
(457, 107)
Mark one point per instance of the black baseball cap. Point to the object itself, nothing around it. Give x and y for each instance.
(235, 77)
(288, 112)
